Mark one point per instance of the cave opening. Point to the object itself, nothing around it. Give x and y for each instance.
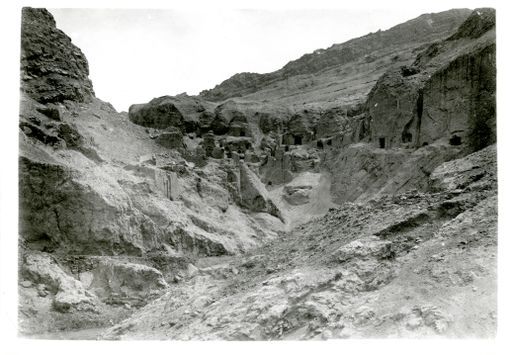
(406, 137)
(297, 140)
(382, 142)
(455, 140)
(319, 144)
(419, 104)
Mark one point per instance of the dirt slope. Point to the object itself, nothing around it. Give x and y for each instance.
(412, 265)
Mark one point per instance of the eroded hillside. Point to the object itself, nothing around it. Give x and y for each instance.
(350, 194)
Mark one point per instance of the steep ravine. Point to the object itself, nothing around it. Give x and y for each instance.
(254, 217)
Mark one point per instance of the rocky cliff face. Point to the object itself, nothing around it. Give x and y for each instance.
(298, 208)
(103, 199)
(449, 92)
(440, 107)
(53, 69)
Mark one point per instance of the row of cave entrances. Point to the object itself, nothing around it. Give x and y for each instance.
(320, 143)
(454, 140)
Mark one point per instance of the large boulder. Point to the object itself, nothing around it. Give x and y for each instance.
(182, 111)
(69, 293)
(297, 195)
(277, 168)
(117, 281)
(156, 114)
(52, 68)
(254, 195)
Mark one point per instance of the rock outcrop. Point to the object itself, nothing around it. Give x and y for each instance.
(53, 69)
(448, 93)
(158, 113)
(69, 293)
(122, 282)
(253, 193)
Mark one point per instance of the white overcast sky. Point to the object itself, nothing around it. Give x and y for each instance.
(135, 54)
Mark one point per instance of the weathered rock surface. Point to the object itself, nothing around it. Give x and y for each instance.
(60, 212)
(53, 69)
(253, 194)
(297, 195)
(124, 282)
(459, 174)
(450, 94)
(172, 138)
(69, 294)
(158, 113)
(399, 266)
(361, 172)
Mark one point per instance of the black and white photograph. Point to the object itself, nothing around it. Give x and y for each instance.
(256, 174)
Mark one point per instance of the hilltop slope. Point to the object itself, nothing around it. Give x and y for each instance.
(325, 74)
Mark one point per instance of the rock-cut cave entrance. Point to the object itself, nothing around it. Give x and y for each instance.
(382, 142)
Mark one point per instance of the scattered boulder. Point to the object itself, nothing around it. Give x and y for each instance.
(122, 282)
(364, 247)
(296, 195)
(26, 283)
(69, 293)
